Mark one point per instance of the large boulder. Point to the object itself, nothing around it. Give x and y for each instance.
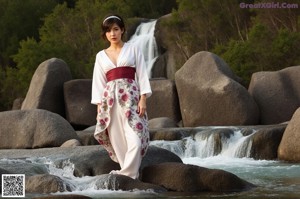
(169, 133)
(87, 137)
(276, 93)
(190, 178)
(164, 100)
(161, 122)
(209, 93)
(46, 183)
(79, 110)
(46, 87)
(87, 160)
(26, 129)
(265, 142)
(23, 167)
(289, 148)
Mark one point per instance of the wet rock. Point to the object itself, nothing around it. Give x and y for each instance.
(125, 183)
(88, 160)
(218, 135)
(156, 155)
(79, 110)
(289, 148)
(276, 93)
(46, 87)
(161, 122)
(23, 167)
(265, 142)
(164, 100)
(65, 196)
(34, 128)
(169, 133)
(209, 94)
(46, 183)
(189, 178)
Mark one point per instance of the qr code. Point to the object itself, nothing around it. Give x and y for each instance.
(13, 185)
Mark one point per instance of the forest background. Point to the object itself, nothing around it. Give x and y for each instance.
(249, 40)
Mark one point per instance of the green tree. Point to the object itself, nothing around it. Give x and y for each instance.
(18, 20)
(151, 9)
(263, 51)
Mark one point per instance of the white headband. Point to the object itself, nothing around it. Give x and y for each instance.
(110, 17)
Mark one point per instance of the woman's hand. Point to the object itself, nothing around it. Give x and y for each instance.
(142, 106)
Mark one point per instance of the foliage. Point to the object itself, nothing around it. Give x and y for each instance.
(249, 40)
(70, 32)
(16, 24)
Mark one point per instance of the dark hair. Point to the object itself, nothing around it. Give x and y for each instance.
(108, 23)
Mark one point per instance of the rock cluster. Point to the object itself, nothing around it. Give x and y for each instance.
(205, 92)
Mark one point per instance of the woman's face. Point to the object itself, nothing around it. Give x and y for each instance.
(114, 35)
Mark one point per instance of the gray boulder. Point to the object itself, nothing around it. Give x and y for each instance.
(209, 94)
(265, 142)
(23, 167)
(164, 100)
(161, 122)
(79, 110)
(169, 133)
(189, 178)
(276, 93)
(289, 148)
(27, 129)
(46, 87)
(46, 183)
(88, 160)
(86, 137)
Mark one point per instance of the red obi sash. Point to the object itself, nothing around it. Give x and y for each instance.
(120, 72)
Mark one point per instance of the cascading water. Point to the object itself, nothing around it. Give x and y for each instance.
(210, 142)
(145, 40)
(226, 148)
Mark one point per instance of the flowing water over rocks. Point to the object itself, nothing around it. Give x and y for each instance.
(226, 148)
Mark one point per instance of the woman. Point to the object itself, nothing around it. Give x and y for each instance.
(120, 88)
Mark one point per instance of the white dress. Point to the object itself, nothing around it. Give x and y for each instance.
(119, 128)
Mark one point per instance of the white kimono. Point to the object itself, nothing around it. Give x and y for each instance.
(119, 128)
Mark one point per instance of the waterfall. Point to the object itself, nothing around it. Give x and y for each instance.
(211, 142)
(144, 39)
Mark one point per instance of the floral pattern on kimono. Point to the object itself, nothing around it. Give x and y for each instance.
(127, 93)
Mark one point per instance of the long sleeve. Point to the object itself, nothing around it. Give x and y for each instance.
(99, 82)
(141, 72)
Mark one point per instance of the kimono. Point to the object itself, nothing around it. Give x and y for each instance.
(119, 129)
